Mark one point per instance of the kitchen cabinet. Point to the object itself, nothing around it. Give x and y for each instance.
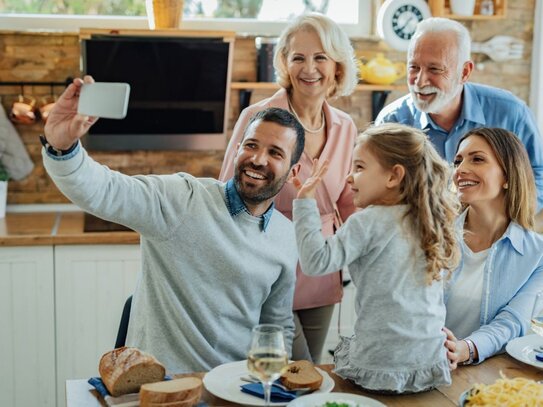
(92, 283)
(27, 336)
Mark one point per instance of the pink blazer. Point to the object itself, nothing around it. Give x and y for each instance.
(311, 292)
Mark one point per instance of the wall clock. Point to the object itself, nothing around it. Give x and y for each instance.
(397, 20)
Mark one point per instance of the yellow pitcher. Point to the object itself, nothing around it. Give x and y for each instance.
(381, 71)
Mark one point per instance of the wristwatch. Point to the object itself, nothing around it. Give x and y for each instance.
(471, 350)
(55, 151)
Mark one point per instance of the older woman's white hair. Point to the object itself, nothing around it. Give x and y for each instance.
(335, 43)
(440, 24)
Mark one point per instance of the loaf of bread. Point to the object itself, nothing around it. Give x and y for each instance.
(124, 370)
(301, 373)
(182, 392)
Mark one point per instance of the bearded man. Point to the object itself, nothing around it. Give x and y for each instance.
(447, 106)
(217, 259)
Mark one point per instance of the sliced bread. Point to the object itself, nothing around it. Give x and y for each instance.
(124, 370)
(185, 403)
(171, 391)
(301, 373)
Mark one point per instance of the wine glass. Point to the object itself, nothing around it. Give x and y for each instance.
(267, 356)
(537, 314)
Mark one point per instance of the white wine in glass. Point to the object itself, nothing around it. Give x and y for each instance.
(537, 314)
(267, 356)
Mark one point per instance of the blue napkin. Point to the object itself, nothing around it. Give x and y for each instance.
(277, 395)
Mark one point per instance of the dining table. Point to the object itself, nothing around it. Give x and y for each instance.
(81, 394)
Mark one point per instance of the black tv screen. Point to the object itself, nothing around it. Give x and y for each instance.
(178, 91)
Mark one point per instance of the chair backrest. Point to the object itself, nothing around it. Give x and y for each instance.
(123, 326)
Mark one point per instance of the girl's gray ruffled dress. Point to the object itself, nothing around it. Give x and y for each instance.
(398, 342)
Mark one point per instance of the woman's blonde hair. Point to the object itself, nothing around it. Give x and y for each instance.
(335, 44)
(425, 189)
(520, 195)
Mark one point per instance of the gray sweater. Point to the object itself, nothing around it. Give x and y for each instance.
(207, 277)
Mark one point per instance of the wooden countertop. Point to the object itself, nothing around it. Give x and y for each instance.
(55, 228)
(81, 394)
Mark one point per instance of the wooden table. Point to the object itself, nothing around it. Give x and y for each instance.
(80, 394)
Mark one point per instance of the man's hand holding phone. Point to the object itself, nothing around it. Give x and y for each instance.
(79, 107)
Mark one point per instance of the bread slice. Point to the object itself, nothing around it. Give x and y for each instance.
(124, 370)
(301, 373)
(171, 391)
(185, 403)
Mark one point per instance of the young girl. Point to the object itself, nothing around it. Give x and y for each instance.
(396, 248)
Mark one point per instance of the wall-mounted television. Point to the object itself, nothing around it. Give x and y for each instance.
(179, 90)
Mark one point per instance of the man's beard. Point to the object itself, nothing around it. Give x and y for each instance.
(440, 101)
(263, 193)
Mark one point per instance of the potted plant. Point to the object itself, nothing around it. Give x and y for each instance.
(4, 176)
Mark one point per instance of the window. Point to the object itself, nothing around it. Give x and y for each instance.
(254, 17)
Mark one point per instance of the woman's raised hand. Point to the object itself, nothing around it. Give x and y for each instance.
(308, 188)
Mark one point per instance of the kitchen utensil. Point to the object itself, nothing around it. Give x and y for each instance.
(500, 48)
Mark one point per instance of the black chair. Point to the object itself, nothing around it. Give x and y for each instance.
(123, 326)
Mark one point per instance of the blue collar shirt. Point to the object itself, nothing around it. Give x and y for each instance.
(236, 205)
(513, 274)
(482, 106)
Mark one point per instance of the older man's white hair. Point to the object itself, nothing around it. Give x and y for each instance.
(440, 24)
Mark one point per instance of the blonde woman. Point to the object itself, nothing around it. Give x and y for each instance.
(396, 248)
(314, 60)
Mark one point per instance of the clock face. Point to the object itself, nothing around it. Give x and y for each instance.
(397, 21)
(405, 20)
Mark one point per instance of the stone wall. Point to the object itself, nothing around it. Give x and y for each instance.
(52, 57)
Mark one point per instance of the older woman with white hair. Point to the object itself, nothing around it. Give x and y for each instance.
(314, 61)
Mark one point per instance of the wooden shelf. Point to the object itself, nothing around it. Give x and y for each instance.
(441, 8)
(272, 86)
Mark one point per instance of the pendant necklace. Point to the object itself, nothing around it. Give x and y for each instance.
(305, 128)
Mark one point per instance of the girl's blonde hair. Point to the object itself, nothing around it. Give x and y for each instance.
(520, 195)
(425, 189)
(335, 43)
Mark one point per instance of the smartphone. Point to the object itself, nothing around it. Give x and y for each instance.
(108, 100)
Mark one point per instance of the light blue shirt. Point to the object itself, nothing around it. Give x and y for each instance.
(483, 106)
(513, 274)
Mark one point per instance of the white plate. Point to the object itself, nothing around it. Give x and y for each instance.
(522, 349)
(313, 400)
(224, 381)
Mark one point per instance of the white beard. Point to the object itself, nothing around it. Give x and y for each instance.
(441, 100)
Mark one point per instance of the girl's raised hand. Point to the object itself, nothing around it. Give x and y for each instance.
(308, 188)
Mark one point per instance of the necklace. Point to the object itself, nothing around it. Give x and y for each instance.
(323, 120)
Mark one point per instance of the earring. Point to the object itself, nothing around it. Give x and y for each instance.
(506, 186)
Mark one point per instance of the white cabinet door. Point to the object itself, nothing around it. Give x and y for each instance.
(27, 327)
(92, 284)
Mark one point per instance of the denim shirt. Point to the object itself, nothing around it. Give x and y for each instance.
(482, 106)
(513, 274)
(236, 205)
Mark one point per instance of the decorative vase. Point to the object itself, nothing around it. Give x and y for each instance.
(164, 13)
(462, 7)
(3, 198)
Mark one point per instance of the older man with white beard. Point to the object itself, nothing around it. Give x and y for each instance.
(447, 106)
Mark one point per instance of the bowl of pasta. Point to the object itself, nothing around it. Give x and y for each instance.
(503, 392)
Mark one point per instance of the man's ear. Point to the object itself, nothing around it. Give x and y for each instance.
(293, 172)
(396, 176)
(467, 69)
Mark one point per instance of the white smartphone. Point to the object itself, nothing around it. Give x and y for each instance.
(104, 99)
